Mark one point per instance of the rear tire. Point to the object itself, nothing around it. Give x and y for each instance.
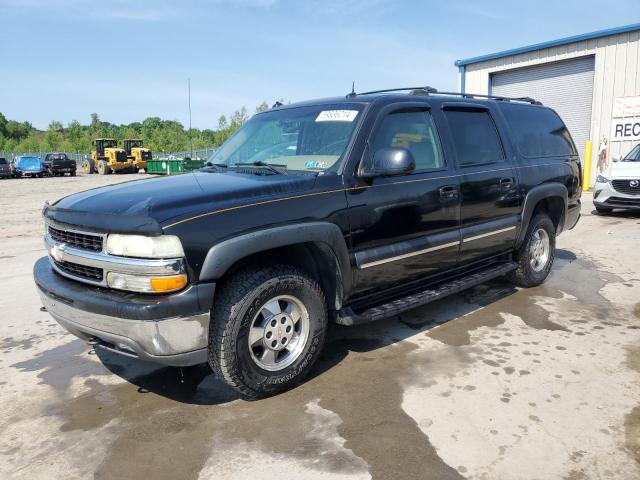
(88, 167)
(267, 329)
(603, 210)
(536, 254)
(73, 173)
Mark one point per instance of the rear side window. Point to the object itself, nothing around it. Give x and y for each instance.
(413, 130)
(538, 131)
(475, 137)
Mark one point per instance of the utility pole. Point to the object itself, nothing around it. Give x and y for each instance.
(190, 136)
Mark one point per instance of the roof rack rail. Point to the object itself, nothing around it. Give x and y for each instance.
(530, 100)
(432, 91)
(424, 90)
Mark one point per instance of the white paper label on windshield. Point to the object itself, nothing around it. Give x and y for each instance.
(337, 116)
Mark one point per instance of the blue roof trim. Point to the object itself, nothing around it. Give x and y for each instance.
(549, 44)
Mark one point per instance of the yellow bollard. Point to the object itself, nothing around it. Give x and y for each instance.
(586, 179)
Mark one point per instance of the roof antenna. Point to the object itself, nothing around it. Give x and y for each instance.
(353, 90)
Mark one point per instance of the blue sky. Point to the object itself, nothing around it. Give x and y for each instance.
(128, 59)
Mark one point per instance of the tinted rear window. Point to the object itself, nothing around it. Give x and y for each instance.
(538, 131)
(475, 137)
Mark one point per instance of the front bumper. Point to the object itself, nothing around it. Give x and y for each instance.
(604, 195)
(169, 329)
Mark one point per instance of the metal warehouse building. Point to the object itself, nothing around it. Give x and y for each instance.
(591, 80)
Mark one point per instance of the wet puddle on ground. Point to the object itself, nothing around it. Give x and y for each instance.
(173, 422)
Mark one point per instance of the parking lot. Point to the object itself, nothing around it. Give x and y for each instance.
(496, 383)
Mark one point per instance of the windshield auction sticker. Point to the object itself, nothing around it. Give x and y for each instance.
(337, 116)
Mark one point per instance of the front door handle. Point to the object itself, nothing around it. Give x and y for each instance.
(448, 192)
(506, 183)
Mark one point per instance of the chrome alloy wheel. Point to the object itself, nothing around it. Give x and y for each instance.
(539, 250)
(278, 333)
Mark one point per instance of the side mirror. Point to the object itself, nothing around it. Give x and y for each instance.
(390, 161)
(616, 158)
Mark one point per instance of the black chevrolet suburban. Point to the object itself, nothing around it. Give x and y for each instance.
(343, 210)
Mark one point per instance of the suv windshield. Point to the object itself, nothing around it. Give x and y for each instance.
(633, 155)
(305, 138)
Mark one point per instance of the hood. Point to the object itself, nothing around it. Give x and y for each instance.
(29, 168)
(140, 206)
(623, 170)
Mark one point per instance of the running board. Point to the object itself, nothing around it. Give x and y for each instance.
(348, 317)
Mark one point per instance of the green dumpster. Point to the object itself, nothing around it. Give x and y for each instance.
(190, 164)
(164, 166)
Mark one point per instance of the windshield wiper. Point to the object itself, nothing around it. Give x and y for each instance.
(214, 166)
(274, 167)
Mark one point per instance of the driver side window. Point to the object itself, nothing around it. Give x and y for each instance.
(415, 131)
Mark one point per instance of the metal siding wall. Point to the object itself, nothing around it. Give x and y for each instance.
(566, 86)
(617, 73)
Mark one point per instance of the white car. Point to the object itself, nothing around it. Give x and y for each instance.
(619, 185)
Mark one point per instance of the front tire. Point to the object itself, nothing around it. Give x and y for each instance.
(267, 329)
(536, 254)
(103, 168)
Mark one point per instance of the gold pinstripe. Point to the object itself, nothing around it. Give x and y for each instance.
(337, 190)
(264, 202)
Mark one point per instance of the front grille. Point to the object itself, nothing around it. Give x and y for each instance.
(82, 271)
(624, 186)
(75, 239)
(632, 202)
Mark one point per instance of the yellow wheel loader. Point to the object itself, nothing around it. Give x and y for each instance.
(137, 153)
(106, 158)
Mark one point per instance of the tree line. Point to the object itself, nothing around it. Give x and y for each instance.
(158, 134)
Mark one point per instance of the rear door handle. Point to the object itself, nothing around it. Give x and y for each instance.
(506, 183)
(448, 192)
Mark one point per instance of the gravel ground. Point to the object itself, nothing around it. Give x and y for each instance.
(496, 383)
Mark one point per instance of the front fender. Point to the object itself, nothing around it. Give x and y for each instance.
(223, 255)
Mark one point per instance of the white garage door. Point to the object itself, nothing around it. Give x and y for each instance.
(566, 86)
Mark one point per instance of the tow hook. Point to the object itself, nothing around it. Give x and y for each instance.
(93, 342)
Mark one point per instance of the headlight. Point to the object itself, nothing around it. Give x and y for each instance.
(601, 179)
(145, 284)
(162, 246)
